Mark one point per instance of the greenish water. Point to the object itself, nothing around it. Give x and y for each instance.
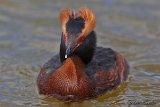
(30, 33)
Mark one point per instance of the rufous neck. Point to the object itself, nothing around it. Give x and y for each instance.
(74, 61)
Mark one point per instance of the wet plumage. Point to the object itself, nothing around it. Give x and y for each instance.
(81, 70)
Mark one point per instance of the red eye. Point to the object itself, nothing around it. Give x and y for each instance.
(64, 37)
(82, 38)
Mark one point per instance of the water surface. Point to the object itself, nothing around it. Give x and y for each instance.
(30, 35)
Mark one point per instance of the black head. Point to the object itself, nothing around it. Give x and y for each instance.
(78, 37)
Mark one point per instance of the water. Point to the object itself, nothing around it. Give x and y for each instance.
(30, 35)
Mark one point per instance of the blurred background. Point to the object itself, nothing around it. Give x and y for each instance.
(30, 33)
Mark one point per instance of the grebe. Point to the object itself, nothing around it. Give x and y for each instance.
(81, 70)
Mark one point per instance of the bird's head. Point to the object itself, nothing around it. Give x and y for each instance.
(77, 32)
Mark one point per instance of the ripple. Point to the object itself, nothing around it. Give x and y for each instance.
(30, 35)
(149, 67)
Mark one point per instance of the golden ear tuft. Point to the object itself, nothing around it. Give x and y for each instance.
(90, 20)
(64, 16)
(87, 14)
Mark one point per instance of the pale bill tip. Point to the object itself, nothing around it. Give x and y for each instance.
(65, 56)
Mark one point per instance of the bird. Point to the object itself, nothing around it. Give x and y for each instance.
(81, 70)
